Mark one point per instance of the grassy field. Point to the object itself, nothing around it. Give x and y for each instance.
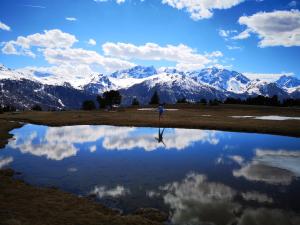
(187, 116)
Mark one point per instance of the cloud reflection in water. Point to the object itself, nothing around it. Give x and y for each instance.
(57, 143)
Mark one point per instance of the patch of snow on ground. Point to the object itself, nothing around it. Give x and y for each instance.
(241, 117)
(276, 118)
(271, 117)
(153, 109)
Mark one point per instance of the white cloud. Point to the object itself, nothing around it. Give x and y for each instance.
(92, 42)
(183, 55)
(79, 56)
(243, 35)
(4, 161)
(103, 191)
(195, 200)
(60, 142)
(238, 159)
(293, 4)
(201, 9)
(93, 148)
(278, 28)
(256, 196)
(270, 77)
(226, 33)
(71, 19)
(49, 39)
(233, 47)
(3, 26)
(176, 139)
(271, 166)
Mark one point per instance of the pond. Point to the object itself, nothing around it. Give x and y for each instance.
(197, 176)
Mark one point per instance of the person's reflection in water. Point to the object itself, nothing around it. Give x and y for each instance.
(160, 136)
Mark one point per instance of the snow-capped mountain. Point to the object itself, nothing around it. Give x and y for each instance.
(135, 72)
(24, 90)
(28, 86)
(289, 83)
(171, 87)
(258, 87)
(221, 79)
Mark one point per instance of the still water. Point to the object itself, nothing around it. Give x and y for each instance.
(197, 176)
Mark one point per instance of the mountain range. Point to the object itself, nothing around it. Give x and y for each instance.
(26, 87)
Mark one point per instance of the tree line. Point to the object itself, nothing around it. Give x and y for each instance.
(112, 99)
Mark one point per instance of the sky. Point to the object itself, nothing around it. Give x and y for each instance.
(260, 38)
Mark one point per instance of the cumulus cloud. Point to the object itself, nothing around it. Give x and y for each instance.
(293, 4)
(278, 28)
(201, 9)
(60, 142)
(272, 216)
(271, 166)
(57, 143)
(177, 139)
(183, 55)
(71, 19)
(194, 200)
(4, 161)
(256, 196)
(79, 56)
(3, 26)
(92, 42)
(103, 191)
(57, 48)
(49, 39)
(93, 148)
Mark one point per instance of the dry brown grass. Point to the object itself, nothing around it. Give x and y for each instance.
(188, 116)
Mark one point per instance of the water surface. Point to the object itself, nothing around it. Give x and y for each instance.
(197, 176)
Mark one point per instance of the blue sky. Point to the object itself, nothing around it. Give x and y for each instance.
(255, 36)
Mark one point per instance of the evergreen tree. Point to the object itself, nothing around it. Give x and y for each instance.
(154, 99)
(101, 101)
(135, 101)
(88, 105)
(112, 98)
(36, 107)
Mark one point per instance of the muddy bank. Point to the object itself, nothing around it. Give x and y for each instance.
(22, 204)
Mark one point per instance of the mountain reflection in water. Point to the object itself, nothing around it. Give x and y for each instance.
(198, 176)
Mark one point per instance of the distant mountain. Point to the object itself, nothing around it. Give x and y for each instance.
(23, 93)
(26, 87)
(221, 79)
(135, 72)
(288, 83)
(171, 87)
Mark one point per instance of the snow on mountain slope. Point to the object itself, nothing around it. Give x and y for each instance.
(135, 72)
(258, 87)
(289, 83)
(221, 79)
(171, 87)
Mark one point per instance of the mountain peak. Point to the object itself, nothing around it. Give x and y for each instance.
(135, 72)
(286, 81)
